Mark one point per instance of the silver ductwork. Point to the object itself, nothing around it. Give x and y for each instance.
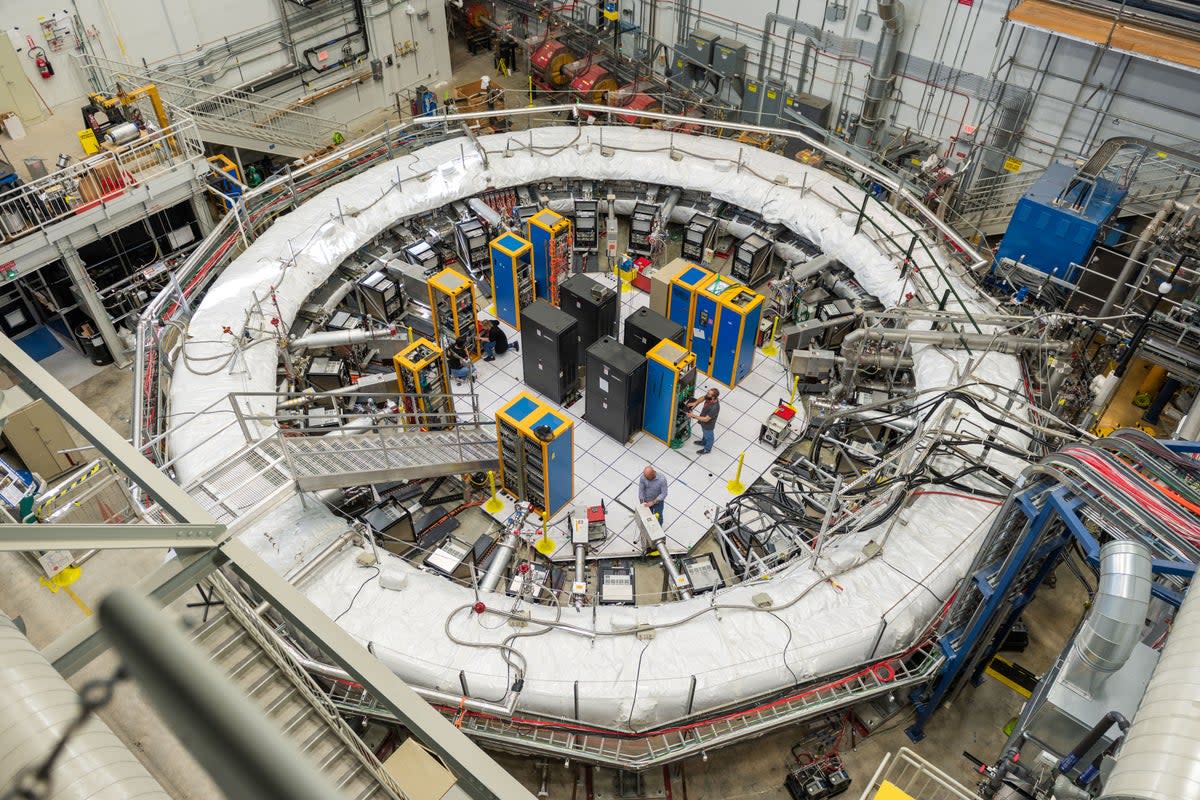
(1118, 616)
(1160, 759)
(883, 69)
(321, 339)
(36, 706)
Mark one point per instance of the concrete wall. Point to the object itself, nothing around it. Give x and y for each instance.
(217, 39)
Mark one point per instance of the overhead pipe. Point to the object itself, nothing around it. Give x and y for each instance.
(1143, 241)
(1113, 627)
(883, 69)
(980, 341)
(37, 706)
(1160, 759)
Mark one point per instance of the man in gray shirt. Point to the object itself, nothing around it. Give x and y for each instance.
(652, 491)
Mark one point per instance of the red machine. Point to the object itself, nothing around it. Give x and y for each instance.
(639, 102)
(547, 62)
(477, 14)
(641, 280)
(593, 85)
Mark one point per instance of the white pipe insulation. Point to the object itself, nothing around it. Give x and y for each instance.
(735, 654)
(36, 707)
(1160, 759)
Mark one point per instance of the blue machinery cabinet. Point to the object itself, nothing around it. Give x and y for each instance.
(536, 452)
(670, 381)
(1057, 222)
(550, 235)
(681, 298)
(739, 311)
(512, 277)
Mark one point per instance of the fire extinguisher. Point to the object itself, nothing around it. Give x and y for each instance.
(44, 67)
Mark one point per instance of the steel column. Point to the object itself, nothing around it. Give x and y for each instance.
(86, 290)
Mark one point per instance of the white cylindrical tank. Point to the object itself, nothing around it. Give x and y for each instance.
(36, 706)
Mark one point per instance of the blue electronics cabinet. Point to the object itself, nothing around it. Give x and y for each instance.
(739, 313)
(670, 382)
(512, 277)
(704, 319)
(537, 458)
(681, 298)
(1056, 223)
(550, 235)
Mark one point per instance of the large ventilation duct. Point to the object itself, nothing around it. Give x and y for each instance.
(883, 69)
(36, 707)
(1118, 615)
(1160, 759)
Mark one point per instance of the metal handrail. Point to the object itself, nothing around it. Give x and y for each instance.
(280, 193)
(230, 109)
(237, 607)
(89, 184)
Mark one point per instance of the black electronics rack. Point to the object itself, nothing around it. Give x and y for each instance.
(382, 297)
(587, 224)
(698, 237)
(550, 352)
(641, 225)
(616, 388)
(592, 304)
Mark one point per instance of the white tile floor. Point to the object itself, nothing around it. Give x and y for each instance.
(606, 470)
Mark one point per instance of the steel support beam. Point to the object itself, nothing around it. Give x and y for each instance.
(75, 649)
(90, 298)
(480, 776)
(39, 383)
(21, 538)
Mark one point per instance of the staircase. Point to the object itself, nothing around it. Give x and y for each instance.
(264, 473)
(238, 642)
(225, 116)
(387, 454)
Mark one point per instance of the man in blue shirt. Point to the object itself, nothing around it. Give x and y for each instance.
(652, 491)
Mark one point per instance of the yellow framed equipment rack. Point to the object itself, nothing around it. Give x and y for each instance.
(425, 383)
(670, 382)
(512, 277)
(550, 235)
(537, 457)
(452, 301)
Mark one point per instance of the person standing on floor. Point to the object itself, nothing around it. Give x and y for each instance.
(652, 492)
(710, 407)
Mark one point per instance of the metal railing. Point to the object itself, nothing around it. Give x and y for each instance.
(916, 777)
(991, 201)
(88, 185)
(237, 607)
(215, 108)
(255, 209)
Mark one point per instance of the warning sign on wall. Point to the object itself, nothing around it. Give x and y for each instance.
(1012, 164)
